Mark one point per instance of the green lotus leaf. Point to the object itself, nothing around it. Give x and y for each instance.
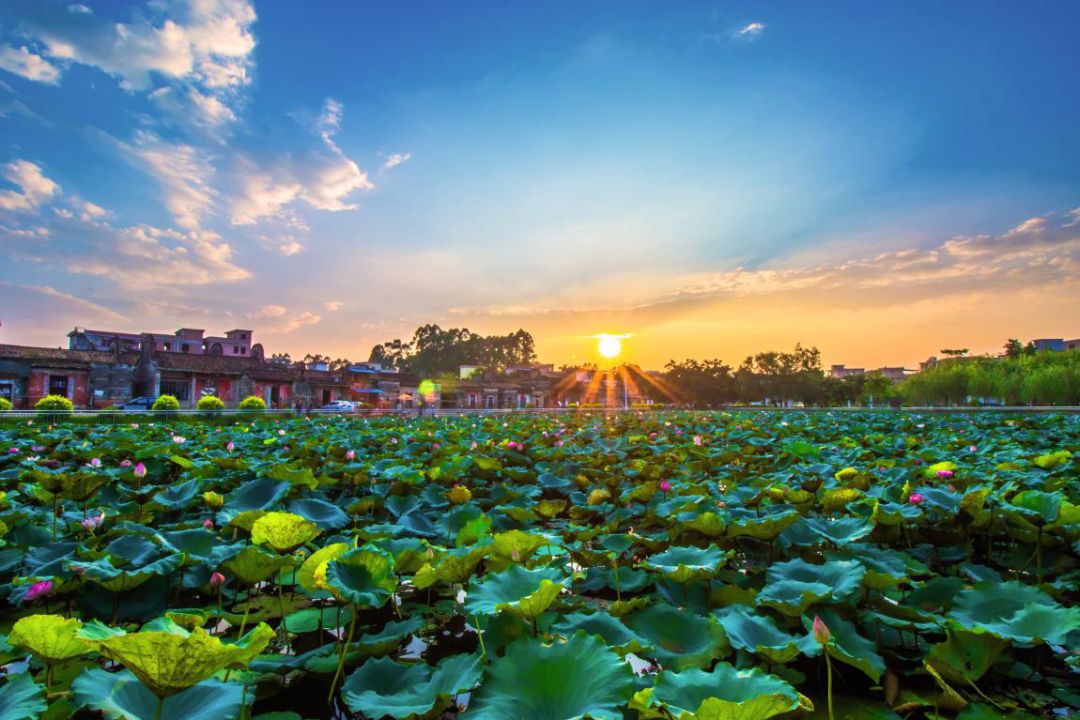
(122, 579)
(724, 694)
(849, 708)
(885, 567)
(618, 636)
(794, 585)
(525, 593)
(768, 527)
(49, 638)
(283, 531)
(680, 639)
(965, 656)
(363, 576)
(82, 486)
(578, 678)
(326, 515)
(759, 634)
(120, 695)
(513, 546)
(253, 565)
(687, 564)
(383, 687)
(836, 499)
(707, 523)
(1035, 506)
(847, 646)
(1014, 611)
(454, 567)
(168, 663)
(22, 699)
(1052, 460)
(178, 496)
(305, 575)
(841, 531)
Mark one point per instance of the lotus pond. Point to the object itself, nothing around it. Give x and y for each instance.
(722, 566)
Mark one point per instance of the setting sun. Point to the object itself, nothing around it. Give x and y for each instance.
(609, 345)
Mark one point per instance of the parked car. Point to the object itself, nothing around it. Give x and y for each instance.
(139, 404)
(339, 406)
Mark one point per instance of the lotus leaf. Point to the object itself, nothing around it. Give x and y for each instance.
(383, 687)
(120, 695)
(526, 593)
(22, 699)
(49, 638)
(687, 564)
(536, 681)
(168, 663)
(283, 531)
(363, 576)
(724, 694)
(680, 639)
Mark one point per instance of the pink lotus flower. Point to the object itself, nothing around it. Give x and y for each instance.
(697, 439)
(558, 443)
(473, 445)
(944, 473)
(140, 471)
(95, 462)
(39, 589)
(134, 426)
(208, 524)
(230, 446)
(821, 631)
(972, 448)
(37, 448)
(665, 485)
(216, 579)
(125, 463)
(13, 451)
(350, 454)
(916, 499)
(93, 522)
(281, 432)
(179, 439)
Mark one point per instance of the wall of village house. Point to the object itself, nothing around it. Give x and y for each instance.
(38, 387)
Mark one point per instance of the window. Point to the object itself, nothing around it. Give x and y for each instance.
(235, 350)
(7, 391)
(58, 385)
(243, 336)
(177, 388)
(243, 351)
(186, 347)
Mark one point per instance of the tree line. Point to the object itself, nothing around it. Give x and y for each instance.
(435, 351)
(1022, 377)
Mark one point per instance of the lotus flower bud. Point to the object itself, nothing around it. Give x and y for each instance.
(821, 631)
(140, 471)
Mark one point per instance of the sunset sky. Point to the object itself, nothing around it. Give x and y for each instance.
(878, 179)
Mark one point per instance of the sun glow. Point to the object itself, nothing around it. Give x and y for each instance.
(609, 345)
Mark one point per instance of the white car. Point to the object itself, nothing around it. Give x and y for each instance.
(339, 406)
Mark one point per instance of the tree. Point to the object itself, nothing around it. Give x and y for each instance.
(702, 384)
(1014, 349)
(282, 359)
(954, 352)
(435, 351)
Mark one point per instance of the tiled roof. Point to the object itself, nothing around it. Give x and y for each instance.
(221, 365)
(59, 357)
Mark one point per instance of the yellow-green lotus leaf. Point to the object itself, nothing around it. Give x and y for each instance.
(253, 565)
(283, 531)
(316, 565)
(168, 663)
(247, 519)
(49, 638)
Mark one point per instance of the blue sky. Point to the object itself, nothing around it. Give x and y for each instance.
(713, 178)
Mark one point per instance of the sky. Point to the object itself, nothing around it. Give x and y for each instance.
(713, 179)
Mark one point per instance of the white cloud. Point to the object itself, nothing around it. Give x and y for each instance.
(295, 322)
(333, 305)
(199, 52)
(270, 311)
(751, 30)
(90, 211)
(290, 246)
(22, 62)
(321, 179)
(34, 187)
(183, 171)
(396, 159)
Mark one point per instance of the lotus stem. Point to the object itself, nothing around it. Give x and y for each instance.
(480, 637)
(1038, 556)
(160, 705)
(281, 607)
(341, 658)
(828, 669)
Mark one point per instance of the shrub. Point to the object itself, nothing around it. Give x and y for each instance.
(54, 402)
(166, 402)
(210, 403)
(5, 404)
(252, 402)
